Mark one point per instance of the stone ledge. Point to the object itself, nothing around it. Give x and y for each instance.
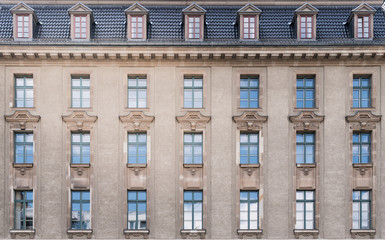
(306, 233)
(193, 234)
(22, 165)
(306, 165)
(362, 165)
(136, 165)
(193, 165)
(79, 233)
(362, 233)
(249, 165)
(22, 233)
(80, 165)
(136, 233)
(249, 233)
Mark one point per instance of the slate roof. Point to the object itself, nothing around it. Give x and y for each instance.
(166, 26)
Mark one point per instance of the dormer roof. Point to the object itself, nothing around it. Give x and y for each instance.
(136, 8)
(249, 9)
(79, 8)
(194, 8)
(363, 8)
(306, 8)
(23, 8)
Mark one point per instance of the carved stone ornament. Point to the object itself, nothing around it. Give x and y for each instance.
(22, 233)
(363, 233)
(79, 121)
(306, 120)
(363, 120)
(306, 233)
(136, 121)
(250, 121)
(137, 234)
(22, 119)
(193, 234)
(79, 233)
(249, 234)
(193, 120)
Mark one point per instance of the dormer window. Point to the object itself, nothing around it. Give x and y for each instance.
(81, 22)
(305, 22)
(306, 27)
(24, 22)
(248, 22)
(360, 21)
(137, 17)
(194, 17)
(80, 26)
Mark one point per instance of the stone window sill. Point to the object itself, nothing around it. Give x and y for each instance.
(22, 165)
(363, 233)
(193, 165)
(136, 233)
(249, 233)
(22, 233)
(306, 165)
(136, 165)
(193, 234)
(79, 233)
(80, 165)
(306, 233)
(363, 165)
(249, 165)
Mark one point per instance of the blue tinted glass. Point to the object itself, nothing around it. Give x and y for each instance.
(300, 94)
(132, 195)
(356, 94)
(86, 195)
(187, 195)
(356, 82)
(309, 83)
(309, 138)
(244, 83)
(309, 103)
(253, 83)
(253, 195)
(76, 195)
(365, 137)
(365, 103)
(356, 138)
(244, 195)
(299, 82)
(29, 195)
(141, 195)
(309, 94)
(365, 83)
(300, 138)
(197, 195)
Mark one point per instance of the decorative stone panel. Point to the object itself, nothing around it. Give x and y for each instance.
(23, 176)
(23, 120)
(362, 176)
(363, 120)
(79, 233)
(249, 233)
(250, 176)
(136, 234)
(306, 234)
(137, 176)
(193, 176)
(306, 121)
(79, 121)
(80, 176)
(136, 121)
(193, 120)
(250, 121)
(306, 176)
(362, 233)
(193, 234)
(22, 233)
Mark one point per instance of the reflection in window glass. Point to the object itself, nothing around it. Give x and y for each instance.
(137, 148)
(361, 92)
(249, 148)
(80, 210)
(192, 148)
(23, 210)
(361, 147)
(305, 210)
(137, 210)
(193, 92)
(361, 210)
(305, 148)
(80, 92)
(23, 143)
(249, 210)
(192, 210)
(137, 92)
(305, 92)
(23, 91)
(249, 92)
(80, 148)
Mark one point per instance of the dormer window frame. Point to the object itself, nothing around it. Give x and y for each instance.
(136, 11)
(248, 11)
(305, 11)
(23, 10)
(78, 11)
(194, 11)
(363, 10)
(193, 23)
(363, 26)
(80, 16)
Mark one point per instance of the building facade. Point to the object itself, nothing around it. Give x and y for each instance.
(179, 119)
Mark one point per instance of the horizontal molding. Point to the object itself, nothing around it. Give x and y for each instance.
(197, 53)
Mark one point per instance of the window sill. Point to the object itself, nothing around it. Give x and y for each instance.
(306, 233)
(136, 233)
(362, 109)
(193, 109)
(307, 109)
(137, 109)
(22, 233)
(249, 165)
(81, 233)
(80, 165)
(23, 108)
(250, 109)
(363, 233)
(306, 165)
(22, 165)
(193, 165)
(250, 233)
(79, 109)
(136, 165)
(193, 233)
(362, 165)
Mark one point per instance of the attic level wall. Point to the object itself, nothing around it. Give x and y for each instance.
(165, 101)
(204, 2)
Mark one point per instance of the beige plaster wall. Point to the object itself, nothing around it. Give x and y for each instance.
(164, 188)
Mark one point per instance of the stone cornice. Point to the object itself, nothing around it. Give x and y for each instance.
(136, 121)
(250, 121)
(79, 121)
(306, 120)
(363, 120)
(191, 53)
(22, 119)
(193, 120)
